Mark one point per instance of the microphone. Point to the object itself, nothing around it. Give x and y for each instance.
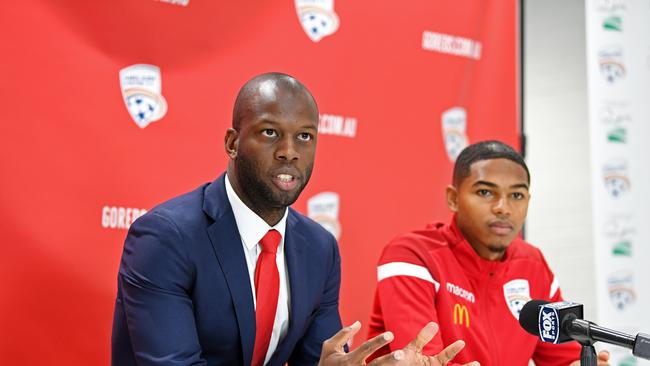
(561, 322)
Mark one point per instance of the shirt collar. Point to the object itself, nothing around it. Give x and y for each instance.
(251, 227)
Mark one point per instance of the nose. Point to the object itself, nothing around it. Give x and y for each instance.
(286, 149)
(501, 207)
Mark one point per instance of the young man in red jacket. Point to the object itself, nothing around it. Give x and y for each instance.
(473, 275)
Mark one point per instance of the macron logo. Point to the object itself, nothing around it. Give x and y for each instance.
(461, 292)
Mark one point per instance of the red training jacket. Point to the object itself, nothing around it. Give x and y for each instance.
(434, 275)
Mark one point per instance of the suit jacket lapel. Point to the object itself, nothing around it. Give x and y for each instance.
(227, 246)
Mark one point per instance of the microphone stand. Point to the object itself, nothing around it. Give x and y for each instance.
(588, 354)
(580, 330)
(588, 333)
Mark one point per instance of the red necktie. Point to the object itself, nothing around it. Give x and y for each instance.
(267, 287)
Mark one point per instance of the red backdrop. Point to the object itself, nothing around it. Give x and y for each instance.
(72, 155)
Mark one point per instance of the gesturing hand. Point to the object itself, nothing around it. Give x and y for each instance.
(412, 353)
(333, 353)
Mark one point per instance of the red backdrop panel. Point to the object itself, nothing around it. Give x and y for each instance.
(71, 152)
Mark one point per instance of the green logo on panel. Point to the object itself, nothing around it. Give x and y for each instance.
(613, 23)
(628, 361)
(618, 135)
(622, 248)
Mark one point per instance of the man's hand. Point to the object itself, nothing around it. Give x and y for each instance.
(413, 351)
(603, 359)
(334, 355)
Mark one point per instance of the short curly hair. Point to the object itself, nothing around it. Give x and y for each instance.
(484, 150)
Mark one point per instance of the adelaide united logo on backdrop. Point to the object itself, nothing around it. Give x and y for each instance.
(620, 286)
(317, 17)
(612, 67)
(141, 89)
(324, 209)
(617, 181)
(454, 125)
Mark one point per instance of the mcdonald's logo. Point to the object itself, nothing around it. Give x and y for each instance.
(461, 315)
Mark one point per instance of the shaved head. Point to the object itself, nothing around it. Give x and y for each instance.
(264, 89)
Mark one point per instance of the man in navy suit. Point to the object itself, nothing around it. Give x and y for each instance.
(228, 274)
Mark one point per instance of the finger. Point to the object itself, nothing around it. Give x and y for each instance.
(603, 355)
(389, 359)
(339, 339)
(424, 337)
(450, 352)
(370, 346)
(473, 363)
(603, 358)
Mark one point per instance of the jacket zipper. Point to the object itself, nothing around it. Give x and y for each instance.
(491, 337)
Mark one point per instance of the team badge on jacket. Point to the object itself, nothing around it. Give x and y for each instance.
(517, 293)
(141, 89)
(317, 17)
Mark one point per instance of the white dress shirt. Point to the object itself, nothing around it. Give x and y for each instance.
(252, 229)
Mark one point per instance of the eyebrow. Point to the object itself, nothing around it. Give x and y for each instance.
(520, 185)
(493, 185)
(273, 122)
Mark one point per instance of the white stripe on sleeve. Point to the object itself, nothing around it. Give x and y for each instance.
(554, 287)
(405, 269)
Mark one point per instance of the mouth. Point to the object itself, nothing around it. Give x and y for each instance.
(501, 228)
(285, 182)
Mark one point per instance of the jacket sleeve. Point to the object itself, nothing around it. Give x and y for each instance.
(548, 354)
(154, 281)
(405, 299)
(326, 320)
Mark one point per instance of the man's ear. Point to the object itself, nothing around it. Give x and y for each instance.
(231, 142)
(452, 198)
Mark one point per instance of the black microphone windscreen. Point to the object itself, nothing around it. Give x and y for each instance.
(529, 316)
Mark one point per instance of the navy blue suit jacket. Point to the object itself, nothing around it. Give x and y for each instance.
(184, 294)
